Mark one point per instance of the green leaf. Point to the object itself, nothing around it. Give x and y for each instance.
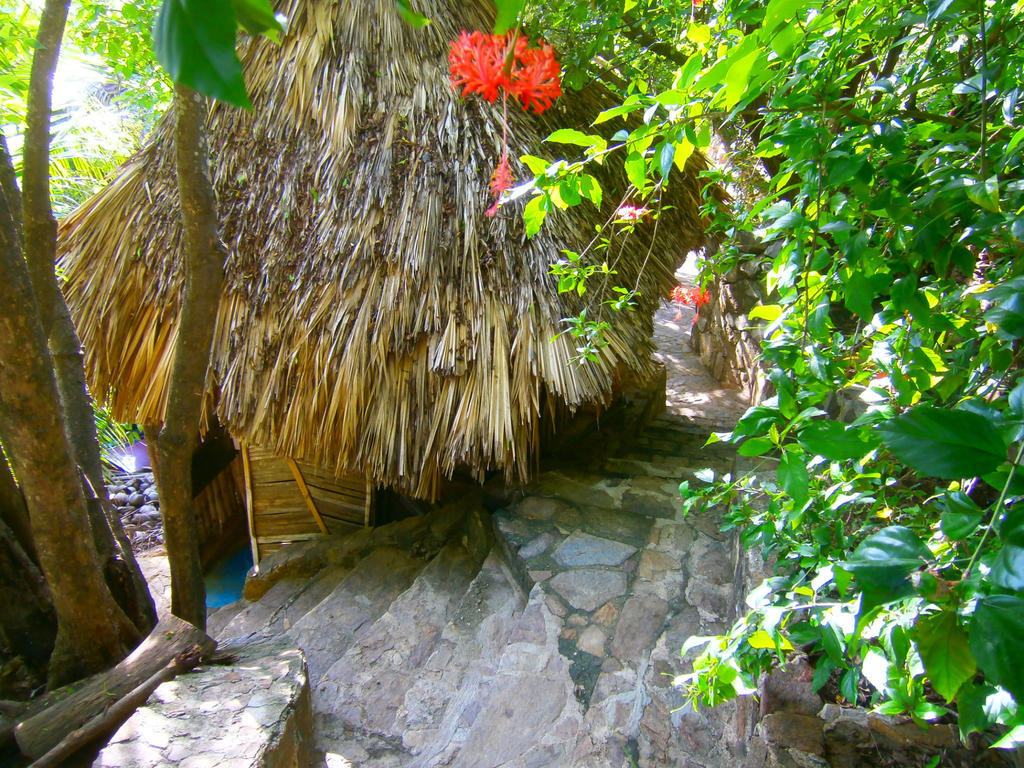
(666, 155)
(961, 516)
(538, 166)
(755, 446)
(756, 421)
(793, 477)
(997, 641)
(858, 295)
(737, 78)
(764, 641)
(508, 15)
(822, 672)
(636, 170)
(578, 138)
(779, 12)
(1008, 313)
(942, 442)
(413, 19)
(1008, 568)
(886, 558)
(534, 213)
(590, 188)
(194, 41)
(257, 18)
(975, 712)
(624, 109)
(985, 194)
(849, 683)
(945, 651)
(835, 440)
(684, 149)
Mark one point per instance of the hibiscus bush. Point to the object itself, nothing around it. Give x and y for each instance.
(878, 146)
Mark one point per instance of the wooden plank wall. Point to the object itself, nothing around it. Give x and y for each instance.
(293, 501)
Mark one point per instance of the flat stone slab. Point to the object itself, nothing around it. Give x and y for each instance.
(582, 549)
(588, 588)
(252, 714)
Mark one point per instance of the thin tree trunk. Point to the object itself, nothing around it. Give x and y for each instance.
(204, 277)
(92, 630)
(123, 573)
(124, 577)
(39, 224)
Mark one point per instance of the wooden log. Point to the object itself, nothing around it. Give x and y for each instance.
(119, 712)
(55, 715)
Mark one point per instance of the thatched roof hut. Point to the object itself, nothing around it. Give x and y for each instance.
(374, 319)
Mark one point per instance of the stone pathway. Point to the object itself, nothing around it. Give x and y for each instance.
(527, 627)
(690, 389)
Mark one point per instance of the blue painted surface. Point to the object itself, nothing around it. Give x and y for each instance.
(224, 581)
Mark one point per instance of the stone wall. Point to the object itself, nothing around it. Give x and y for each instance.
(727, 342)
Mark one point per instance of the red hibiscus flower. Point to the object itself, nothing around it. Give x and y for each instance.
(477, 63)
(536, 82)
(485, 64)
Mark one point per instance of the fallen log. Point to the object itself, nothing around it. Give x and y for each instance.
(53, 716)
(118, 713)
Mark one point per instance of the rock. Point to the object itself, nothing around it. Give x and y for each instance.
(587, 588)
(606, 614)
(555, 605)
(654, 565)
(119, 499)
(151, 494)
(537, 546)
(149, 512)
(539, 508)
(592, 641)
(582, 549)
(789, 690)
(136, 499)
(639, 625)
(793, 731)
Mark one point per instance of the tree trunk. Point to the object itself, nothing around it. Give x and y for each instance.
(92, 630)
(122, 572)
(204, 276)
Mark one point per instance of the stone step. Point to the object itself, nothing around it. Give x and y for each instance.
(327, 630)
(358, 700)
(285, 602)
(363, 689)
(526, 712)
(302, 602)
(253, 616)
(437, 711)
(221, 617)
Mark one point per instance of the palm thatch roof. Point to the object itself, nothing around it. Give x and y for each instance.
(374, 319)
